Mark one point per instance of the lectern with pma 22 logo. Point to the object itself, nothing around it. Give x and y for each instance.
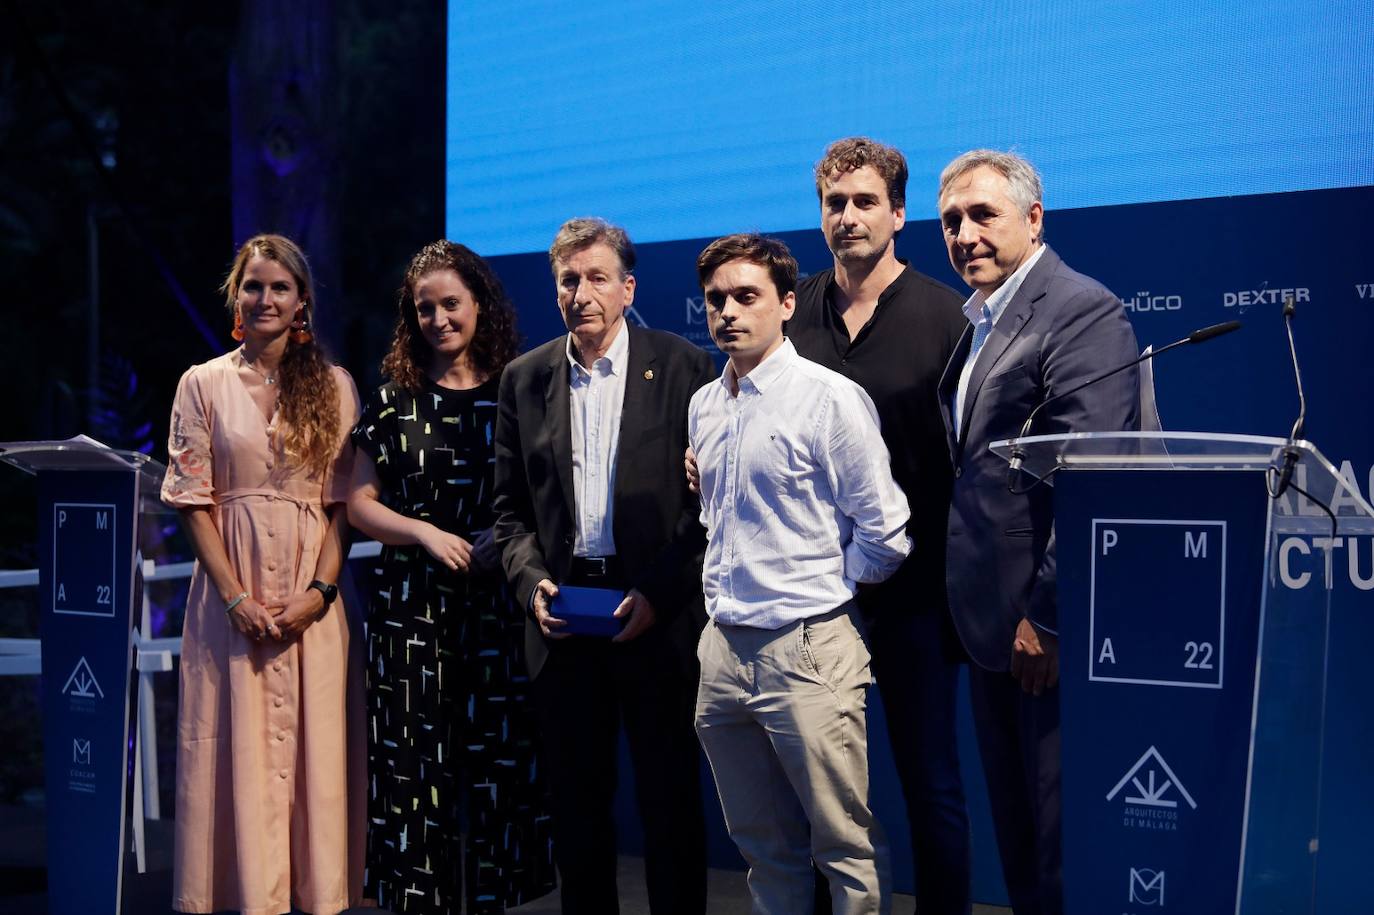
(1193, 673)
(89, 501)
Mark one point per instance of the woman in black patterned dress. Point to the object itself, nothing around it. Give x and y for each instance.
(448, 726)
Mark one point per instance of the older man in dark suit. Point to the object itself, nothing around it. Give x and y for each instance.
(589, 491)
(1036, 329)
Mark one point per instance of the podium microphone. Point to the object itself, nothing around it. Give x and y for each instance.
(1290, 452)
(1018, 454)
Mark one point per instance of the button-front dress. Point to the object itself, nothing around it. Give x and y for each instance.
(270, 803)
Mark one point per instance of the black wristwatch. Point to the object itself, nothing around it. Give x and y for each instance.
(328, 592)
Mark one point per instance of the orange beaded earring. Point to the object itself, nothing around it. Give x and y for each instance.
(300, 329)
(237, 332)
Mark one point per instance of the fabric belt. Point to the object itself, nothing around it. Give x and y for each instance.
(308, 513)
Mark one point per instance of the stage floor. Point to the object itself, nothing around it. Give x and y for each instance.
(23, 878)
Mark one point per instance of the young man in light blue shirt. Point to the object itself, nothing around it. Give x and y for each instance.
(800, 508)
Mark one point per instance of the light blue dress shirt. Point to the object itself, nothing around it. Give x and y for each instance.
(797, 493)
(974, 309)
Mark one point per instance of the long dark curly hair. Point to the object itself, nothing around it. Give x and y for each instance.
(495, 342)
(308, 396)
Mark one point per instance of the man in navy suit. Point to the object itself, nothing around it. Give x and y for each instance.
(1036, 329)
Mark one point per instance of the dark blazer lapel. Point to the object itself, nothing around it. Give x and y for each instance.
(641, 381)
(556, 415)
(1003, 333)
(949, 383)
(1008, 326)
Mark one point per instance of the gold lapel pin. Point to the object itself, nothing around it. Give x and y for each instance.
(648, 374)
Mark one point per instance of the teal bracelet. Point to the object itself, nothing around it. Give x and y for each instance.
(236, 601)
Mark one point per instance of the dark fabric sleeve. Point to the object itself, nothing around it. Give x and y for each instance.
(1095, 336)
(674, 577)
(371, 431)
(516, 524)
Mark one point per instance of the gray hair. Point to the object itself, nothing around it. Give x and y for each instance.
(585, 231)
(1023, 180)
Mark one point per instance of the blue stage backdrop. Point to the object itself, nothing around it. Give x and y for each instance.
(1203, 160)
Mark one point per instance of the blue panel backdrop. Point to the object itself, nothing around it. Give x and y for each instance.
(1178, 266)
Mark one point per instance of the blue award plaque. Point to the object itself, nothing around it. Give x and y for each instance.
(588, 610)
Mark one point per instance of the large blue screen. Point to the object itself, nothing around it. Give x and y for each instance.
(688, 120)
(1203, 160)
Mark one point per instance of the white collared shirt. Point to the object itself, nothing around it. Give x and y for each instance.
(797, 493)
(595, 399)
(973, 310)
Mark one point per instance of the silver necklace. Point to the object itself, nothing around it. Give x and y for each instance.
(270, 379)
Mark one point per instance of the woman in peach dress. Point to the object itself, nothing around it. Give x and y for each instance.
(270, 763)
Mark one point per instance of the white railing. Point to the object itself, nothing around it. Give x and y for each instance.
(23, 657)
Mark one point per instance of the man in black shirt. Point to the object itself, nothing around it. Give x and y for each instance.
(890, 329)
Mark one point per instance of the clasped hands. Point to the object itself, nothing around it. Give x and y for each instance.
(282, 622)
(635, 609)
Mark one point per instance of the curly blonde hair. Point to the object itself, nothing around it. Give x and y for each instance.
(307, 395)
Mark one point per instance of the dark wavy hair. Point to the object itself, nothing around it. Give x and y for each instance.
(308, 396)
(769, 253)
(853, 153)
(495, 342)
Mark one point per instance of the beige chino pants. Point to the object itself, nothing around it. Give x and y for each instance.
(780, 714)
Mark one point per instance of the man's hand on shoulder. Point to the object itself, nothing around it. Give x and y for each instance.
(638, 613)
(1035, 658)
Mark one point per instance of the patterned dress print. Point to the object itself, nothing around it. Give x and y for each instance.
(449, 724)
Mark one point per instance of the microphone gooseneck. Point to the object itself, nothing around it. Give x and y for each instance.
(1290, 451)
(1018, 454)
(1204, 334)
